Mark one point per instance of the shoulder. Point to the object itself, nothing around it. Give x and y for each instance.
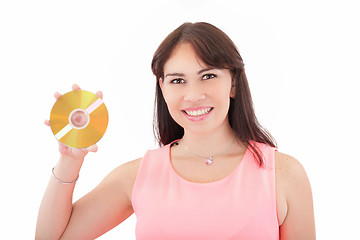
(122, 178)
(129, 170)
(291, 175)
(293, 186)
(126, 171)
(288, 165)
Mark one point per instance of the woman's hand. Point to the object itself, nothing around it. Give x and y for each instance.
(76, 153)
(56, 208)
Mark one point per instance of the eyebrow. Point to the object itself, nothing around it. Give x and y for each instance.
(182, 74)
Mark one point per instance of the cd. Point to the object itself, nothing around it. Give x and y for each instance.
(79, 119)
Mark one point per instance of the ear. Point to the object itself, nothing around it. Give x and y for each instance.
(232, 91)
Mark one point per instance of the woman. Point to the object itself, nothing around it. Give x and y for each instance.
(217, 174)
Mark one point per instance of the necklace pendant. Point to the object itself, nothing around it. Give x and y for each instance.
(209, 161)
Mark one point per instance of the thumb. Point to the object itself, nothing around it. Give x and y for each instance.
(93, 148)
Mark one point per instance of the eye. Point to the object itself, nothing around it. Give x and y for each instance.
(208, 76)
(177, 81)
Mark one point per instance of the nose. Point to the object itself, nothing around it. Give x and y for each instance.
(194, 93)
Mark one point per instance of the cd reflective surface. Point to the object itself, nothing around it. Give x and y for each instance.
(79, 119)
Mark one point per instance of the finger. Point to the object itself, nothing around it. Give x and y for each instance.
(63, 149)
(75, 87)
(57, 95)
(93, 148)
(99, 94)
(47, 122)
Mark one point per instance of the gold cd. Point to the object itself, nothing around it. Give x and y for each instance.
(79, 119)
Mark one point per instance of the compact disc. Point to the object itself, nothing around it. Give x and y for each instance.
(79, 119)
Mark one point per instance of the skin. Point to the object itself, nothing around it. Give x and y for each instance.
(109, 203)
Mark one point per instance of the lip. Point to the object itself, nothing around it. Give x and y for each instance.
(197, 118)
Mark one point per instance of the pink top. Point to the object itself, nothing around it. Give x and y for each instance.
(239, 206)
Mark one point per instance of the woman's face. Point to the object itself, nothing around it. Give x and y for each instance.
(197, 96)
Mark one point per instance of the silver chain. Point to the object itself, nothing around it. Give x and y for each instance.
(210, 157)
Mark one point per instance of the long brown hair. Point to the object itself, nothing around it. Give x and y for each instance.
(217, 50)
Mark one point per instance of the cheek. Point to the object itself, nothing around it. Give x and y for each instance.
(222, 91)
(164, 91)
(223, 95)
(166, 95)
(171, 98)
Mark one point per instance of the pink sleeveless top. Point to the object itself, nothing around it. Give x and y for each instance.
(239, 206)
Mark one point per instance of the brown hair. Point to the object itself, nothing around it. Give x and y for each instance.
(217, 50)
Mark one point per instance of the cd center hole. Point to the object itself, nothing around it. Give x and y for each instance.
(79, 119)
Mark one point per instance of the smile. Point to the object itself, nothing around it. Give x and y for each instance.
(198, 112)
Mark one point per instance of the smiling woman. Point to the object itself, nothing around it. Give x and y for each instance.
(217, 173)
(208, 49)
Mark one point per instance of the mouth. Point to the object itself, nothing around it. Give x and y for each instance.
(198, 112)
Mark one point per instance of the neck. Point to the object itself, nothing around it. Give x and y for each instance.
(209, 143)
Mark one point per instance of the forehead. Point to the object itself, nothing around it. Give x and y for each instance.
(183, 58)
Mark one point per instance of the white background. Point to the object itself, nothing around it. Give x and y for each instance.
(302, 62)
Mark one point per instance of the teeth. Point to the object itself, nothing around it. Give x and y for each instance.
(198, 112)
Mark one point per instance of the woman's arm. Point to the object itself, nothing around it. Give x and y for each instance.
(94, 214)
(299, 222)
(97, 212)
(106, 206)
(56, 205)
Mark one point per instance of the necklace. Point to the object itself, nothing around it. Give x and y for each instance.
(209, 159)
